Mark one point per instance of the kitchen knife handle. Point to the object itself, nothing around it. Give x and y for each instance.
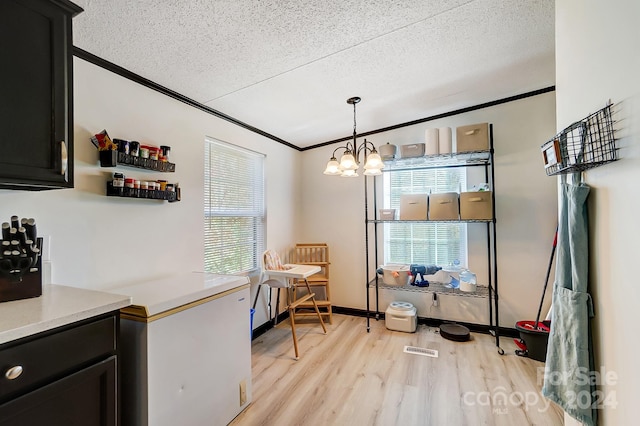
(30, 228)
(64, 158)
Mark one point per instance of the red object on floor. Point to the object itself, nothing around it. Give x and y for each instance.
(520, 344)
(534, 339)
(543, 326)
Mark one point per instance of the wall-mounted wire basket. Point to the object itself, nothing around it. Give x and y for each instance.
(585, 144)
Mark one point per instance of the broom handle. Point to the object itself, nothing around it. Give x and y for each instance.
(546, 281)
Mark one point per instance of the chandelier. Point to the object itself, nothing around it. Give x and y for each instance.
(350, 159)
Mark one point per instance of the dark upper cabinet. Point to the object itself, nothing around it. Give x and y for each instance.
(36, 94)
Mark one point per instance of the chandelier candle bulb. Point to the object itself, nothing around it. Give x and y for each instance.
(431, 141)
(444, 140)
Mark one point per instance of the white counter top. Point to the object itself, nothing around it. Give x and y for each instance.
(161, 295)
(59, 305)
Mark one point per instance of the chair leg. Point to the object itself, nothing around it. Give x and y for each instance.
(293, 332)
(269, 303)
(315, 306)
(255, 301)
(275, 319)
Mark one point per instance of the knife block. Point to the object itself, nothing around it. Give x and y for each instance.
(23, 287)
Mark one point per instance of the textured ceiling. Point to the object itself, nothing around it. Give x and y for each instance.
(288, 67)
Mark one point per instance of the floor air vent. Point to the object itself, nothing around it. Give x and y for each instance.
(421, 351)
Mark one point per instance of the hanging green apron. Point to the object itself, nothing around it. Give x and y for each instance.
(569, 359)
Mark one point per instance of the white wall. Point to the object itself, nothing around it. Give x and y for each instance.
(100, 242)
(597, 60)
(526, 211)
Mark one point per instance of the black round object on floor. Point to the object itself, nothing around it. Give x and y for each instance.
(455, 332)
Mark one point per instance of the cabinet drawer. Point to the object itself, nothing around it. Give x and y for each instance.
(53, 355)
(85, 398)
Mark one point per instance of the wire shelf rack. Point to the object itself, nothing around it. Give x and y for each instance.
(585, 144)
(482, 291)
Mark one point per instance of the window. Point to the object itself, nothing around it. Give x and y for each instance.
(423, 243)
(234, 212)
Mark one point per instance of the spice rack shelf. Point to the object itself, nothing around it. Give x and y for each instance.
(116, 158)
(170, 196)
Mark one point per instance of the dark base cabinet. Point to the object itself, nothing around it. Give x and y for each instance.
(67, 376)
(85, 398)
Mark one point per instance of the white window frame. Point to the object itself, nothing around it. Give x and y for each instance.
(234, 208)
(417, 230)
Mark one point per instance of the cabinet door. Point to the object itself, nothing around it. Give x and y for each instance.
(36, 130)
(85, 398)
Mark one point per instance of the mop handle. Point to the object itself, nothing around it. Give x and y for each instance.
(546, 281)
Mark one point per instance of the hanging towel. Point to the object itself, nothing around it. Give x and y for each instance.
(569, 351)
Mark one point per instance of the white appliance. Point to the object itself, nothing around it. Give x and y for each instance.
(186, 350)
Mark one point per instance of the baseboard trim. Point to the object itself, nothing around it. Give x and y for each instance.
(431, 322)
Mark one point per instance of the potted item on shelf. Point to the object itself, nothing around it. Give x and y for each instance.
(107, 148)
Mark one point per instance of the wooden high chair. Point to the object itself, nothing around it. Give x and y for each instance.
(314, 254)
(277, 275)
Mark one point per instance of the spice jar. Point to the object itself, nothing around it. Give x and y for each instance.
(165, 151)
(134, 148)
(153, 153)
(118, 180)
(144, 151)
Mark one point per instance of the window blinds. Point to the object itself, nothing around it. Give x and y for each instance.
(234, 208)
(423, 243)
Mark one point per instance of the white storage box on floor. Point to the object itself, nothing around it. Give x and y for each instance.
(401, 316)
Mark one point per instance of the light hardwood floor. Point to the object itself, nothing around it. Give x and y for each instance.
(351, 377)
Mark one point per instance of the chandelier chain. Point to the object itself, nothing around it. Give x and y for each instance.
(354, 123)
